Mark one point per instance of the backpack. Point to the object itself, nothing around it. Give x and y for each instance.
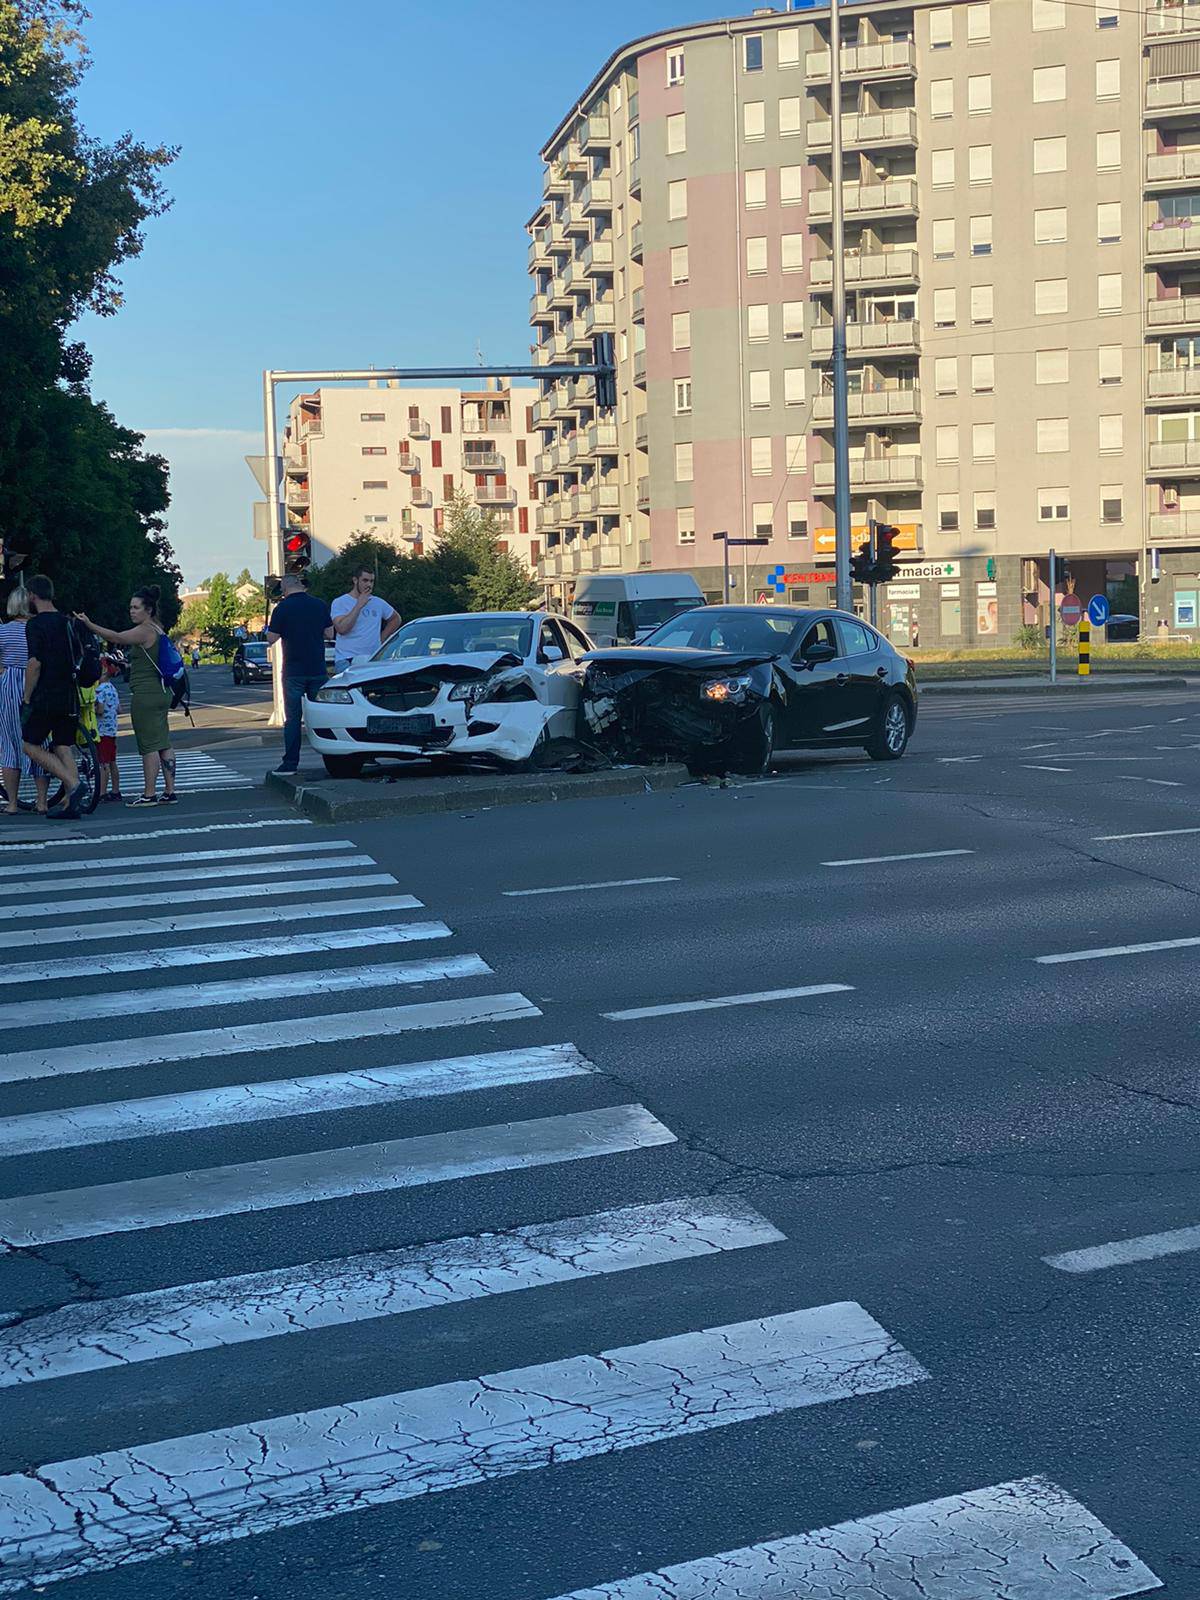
(85, 655)
(174, 675)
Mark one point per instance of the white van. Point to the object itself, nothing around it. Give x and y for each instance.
(623, 607)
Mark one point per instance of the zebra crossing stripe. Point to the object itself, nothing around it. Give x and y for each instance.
(289, 1033)
(246, 1186)
(325, 1294)
(67, 909)
(260, 989)
(100, 1512)
(98, 878)
(93, 839)
(310, 847)
(164, 957)
(365, 908)
(1024, 1540)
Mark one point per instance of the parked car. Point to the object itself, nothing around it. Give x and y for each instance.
(723, 687)
(623, 607)
(434, 688)
(251, 663)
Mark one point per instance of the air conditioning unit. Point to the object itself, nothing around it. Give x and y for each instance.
(1170, 496)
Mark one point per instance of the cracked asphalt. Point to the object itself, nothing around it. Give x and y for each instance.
(922, 1140)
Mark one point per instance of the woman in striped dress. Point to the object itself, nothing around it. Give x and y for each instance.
(14, 763)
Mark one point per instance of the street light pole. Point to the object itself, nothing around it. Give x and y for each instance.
(841, 428)
(274, 533)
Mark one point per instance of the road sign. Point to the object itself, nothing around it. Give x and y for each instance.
(1098, 609)
(765, 597)
(1070, 609)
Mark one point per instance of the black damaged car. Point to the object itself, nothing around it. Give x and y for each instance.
(723, 687)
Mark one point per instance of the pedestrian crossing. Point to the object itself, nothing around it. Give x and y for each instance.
(328, 1095)
(195, 771)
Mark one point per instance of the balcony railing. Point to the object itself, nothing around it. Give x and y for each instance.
(598, 195)
(1166, 96)
(635, 241)
(870, 338)
(602, 438)
(888, 266)
(297, 494)
(418, 427)
(1173, 166)
(641, 432)
(1180, 383)
(1172, 18)
(894, 196)
(1182, 312)
(422, 498)
(897, 472)
(883, 60)
(1183, 456)
(635, 176)
(645, 552)
(483, 461)
(600, 315)
(1167, 527)
(598, 257)
(576, 219)
(547, 514)
(643, 494)
(595, 133)
(495, 494)
(639, 305)
(865, 128)
(407, 462)
(1172, 238)
(544, 465)
(639, 366)
(610, 555)
(871, 405)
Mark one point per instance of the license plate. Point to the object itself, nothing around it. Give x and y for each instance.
(414, 725)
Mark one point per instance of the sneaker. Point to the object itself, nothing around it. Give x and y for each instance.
(141, 800)
(284, 772)
(168, 799)
(111, 799)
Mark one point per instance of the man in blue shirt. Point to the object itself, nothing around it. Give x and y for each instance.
(303, 623)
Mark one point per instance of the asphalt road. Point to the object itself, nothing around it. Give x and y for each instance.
(842, 1249)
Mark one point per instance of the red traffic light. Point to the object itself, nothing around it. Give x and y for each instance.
(297, 550)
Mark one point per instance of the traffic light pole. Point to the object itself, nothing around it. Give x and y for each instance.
(841, 428)
(873, 589)
(275, 534)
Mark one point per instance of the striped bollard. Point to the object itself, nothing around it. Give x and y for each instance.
(1085, 646)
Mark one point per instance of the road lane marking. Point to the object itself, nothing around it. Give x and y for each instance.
(188, 857)
(1048, 746)
(1155, 833)
(1121, 1252)
(232, 1104)
(580, 888)
(288, 1033)
(1029, 767)
(759, 998)
(1111, 733)
(91, 1336)
(68, 909)
(1117, 950)
(193, 922)
(258, 990)
(102, 963)
(314, 1175)
(915, 855)
(132, 837)
(1165, 783)
(949, 761)
(99, 878)
(1023, 1540)
(100, 1512)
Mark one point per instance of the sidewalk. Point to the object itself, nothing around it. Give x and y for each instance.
(1069, 681)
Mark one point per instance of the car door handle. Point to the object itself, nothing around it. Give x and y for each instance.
(881, 672)
(842, 679)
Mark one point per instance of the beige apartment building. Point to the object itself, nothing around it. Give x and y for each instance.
(1022, 201)
(385, 459)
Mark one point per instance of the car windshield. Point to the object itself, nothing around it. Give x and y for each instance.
(653, 613)
(255, 652)
(710, 628)
(458, 636)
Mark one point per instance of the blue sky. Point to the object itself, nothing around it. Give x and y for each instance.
(351, 189)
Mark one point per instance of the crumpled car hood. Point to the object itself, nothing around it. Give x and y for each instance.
(646, 704)
(711, 662)
(451, 669)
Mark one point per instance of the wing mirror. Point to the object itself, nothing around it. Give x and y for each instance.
(551, 652)
(817, 654)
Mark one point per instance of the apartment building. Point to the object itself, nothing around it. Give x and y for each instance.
(1020, 181)
(386, 458)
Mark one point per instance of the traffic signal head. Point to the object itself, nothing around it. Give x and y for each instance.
(862, 569)
(297, 550)
(272, 586)
(885, 551)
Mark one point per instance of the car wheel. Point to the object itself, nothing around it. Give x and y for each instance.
(237, 679)
(890, 739)
(752, 749)
(344, 766)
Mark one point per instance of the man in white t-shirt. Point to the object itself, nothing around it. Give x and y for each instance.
(361, 620)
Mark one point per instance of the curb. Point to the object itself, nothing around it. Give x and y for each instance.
(350, 800)
(1041, 686)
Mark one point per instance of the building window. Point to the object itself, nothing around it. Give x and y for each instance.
(943, 238)
(448, 486)
(945, 443)
(1054, 505)
(760, 389)
(982, 306)
(674, 67)
(1108, 80)
(1051, 366)
(681, 330)
(979, 94)
(380, 517)
(1108, 221)
(979, 24)
(1049, 296)
(947, 513)
(790, 116)
(793, 319)
(942, 169)
(754, 120)
(754, 181)
(1111, 503)
(762, 515)
(1112, 364)
(1107, 14)
(1108, 151)
(797, 519)
(752, 52)
(1053, 436)
(435, 454)
(685, 524)
(761, 453)
(941, 28)
(374, 449)
(794, 386)
(981, 235)
(792, 252)
(372, 416)
(683, 463)
(520, 454)
(983, 441)
(1112, 435)
(756, 256)
(941, 97)
(979, 163)
(945, 303)
(795, 453)
(1049, 83)
(374, 483)
(1050, 155)
(791, 185)
(447, 424)
(1108, 293)
(758, 323)
(683, 396)
(679, 263)
(983, 373)
(789, 47)
(676, 133)
(677, 199)
(1050, 225)
(1049, 14)
(945, 375)
(985, 510)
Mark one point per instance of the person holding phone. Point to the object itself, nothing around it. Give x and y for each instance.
(362, 620)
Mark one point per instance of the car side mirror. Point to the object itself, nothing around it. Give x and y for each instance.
(551, 652)
(817, 654)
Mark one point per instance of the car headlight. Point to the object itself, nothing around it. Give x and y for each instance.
(730, 689)
(468, 691)
(337, 697)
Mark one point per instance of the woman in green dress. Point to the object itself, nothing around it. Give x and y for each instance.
(149, 696)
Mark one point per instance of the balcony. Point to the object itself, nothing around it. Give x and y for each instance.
(554, 348)
(895, 197)
(595, 133)
(872, 406)
(892, 58)
(543, 409)
(544, 465)
(639, 367)
(297, 463)
(540, 308)
(539, 249)
(639, 305)
(495, 494)
(483, 461)
(1171, 527)
(870, 338)
(576, 220)
(643, 494)
(597, 196)
(610, 556)
(418, 427)
(600, 316)
(602, 439)
(1165, 385)
(1166, 239)
(870, 473)
(1166, 316)
(645, 552)
(635, 176)
(888, 266)
(297, 494)
(598, 257)
(1172, 167)
(867, 130)
(422, 499)
(635, 242)
(407, 462)
(547, 514)
(1170, 98)
(1172, 18)
(641, 432)
(558, 243)
(1175, 460)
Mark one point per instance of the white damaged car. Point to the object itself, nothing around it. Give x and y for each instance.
(488, 686)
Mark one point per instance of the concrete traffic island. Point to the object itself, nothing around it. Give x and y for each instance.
(403, 794)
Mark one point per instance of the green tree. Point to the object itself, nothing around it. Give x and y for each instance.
(252, 603)
(489, 579)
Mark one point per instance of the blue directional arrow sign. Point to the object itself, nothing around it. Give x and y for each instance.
(1098, 609)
